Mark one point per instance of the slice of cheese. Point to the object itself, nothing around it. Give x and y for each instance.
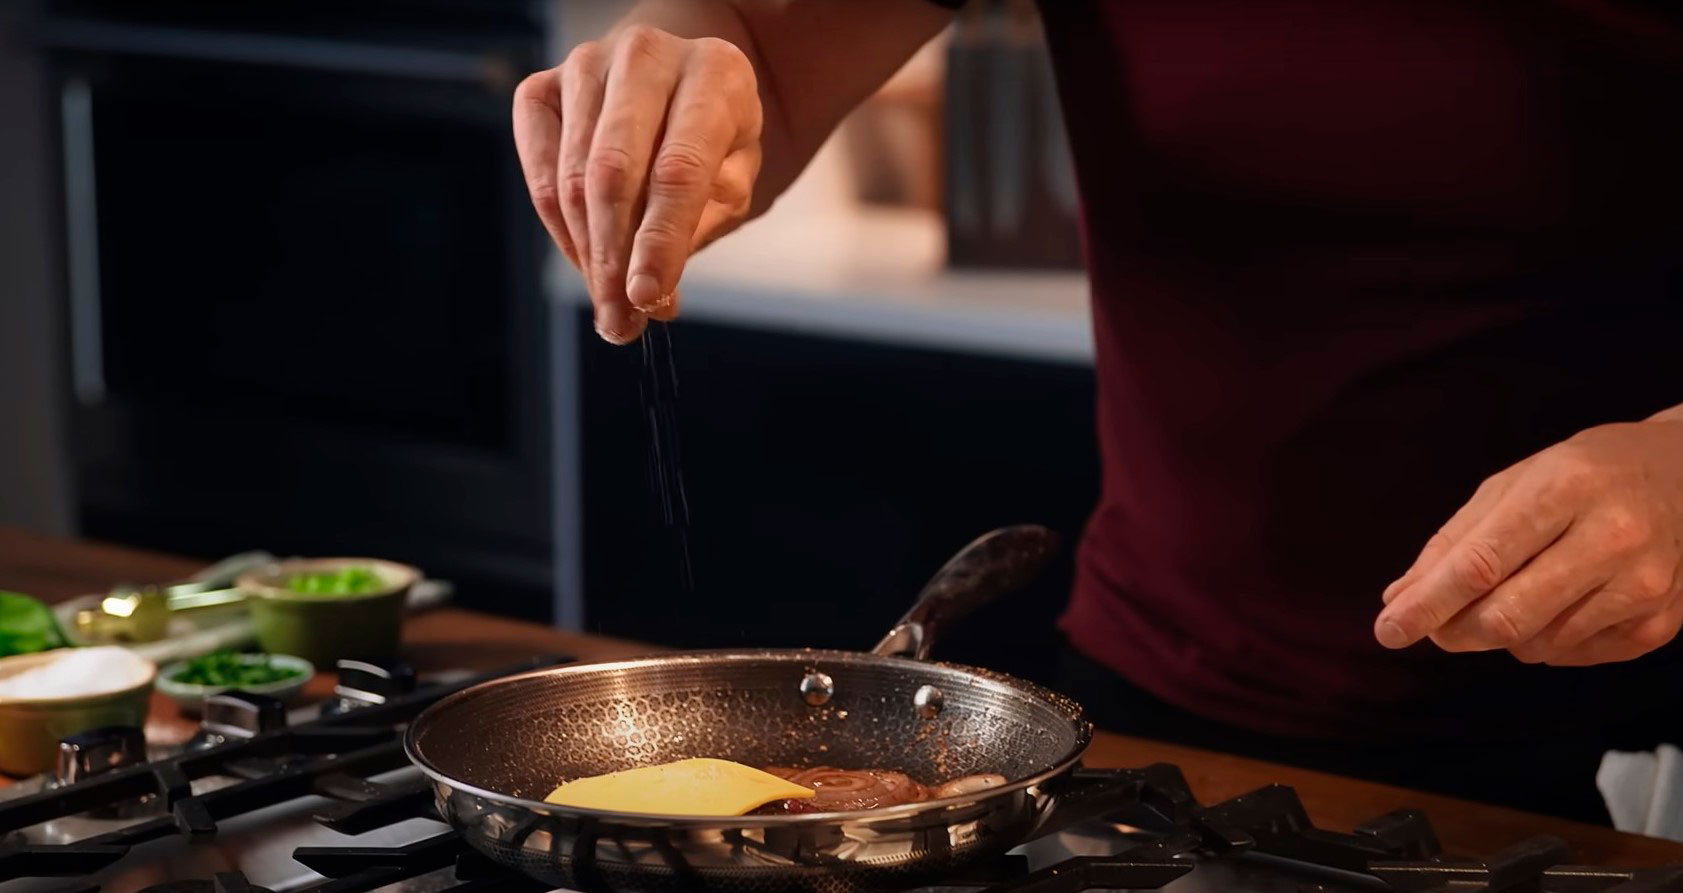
(687, 787)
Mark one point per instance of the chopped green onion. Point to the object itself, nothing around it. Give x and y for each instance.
(345, 581)
(233, 669)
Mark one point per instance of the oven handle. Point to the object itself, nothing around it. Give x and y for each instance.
(81, 217)
(414, 63)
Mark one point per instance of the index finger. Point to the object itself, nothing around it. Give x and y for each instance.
(1517, 528)
(537, 141)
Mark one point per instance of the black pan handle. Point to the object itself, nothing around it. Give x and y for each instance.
(992, 565)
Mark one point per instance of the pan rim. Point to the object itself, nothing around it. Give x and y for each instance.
(990, 678)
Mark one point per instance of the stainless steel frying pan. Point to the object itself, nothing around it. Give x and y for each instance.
(493, 750)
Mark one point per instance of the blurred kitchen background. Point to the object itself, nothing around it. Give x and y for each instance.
(269, 278)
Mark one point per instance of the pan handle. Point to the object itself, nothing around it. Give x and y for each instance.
(992, 565)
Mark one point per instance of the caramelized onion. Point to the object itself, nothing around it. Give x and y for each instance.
(847, 790)
(844, 790)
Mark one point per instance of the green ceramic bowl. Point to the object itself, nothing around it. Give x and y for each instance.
(324, 628)
(30, 728)
(190, 697)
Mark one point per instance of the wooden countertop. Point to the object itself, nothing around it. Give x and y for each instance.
(450, 638)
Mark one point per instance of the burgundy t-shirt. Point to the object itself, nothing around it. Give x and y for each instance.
(1349, 257)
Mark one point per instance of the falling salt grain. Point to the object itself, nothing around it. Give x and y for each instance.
(79, 671)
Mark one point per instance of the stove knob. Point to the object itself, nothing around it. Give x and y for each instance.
(365, 683)
(236, 716)
(99, 750)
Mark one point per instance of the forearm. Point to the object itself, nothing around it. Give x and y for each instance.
(1674, 414)
(814, 60)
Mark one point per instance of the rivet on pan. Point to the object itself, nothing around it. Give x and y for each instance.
(817, 688)
(928, 701)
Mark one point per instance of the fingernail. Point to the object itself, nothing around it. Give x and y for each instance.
(644, 291)
(1390, 633)
(620, 326)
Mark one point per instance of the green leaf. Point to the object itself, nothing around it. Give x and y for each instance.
(26, 626)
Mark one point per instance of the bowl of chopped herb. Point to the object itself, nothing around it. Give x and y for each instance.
(324, 609)
(189, 682)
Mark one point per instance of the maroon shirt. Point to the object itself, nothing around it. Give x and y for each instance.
(1349, 257)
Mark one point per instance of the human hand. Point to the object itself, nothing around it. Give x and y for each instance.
(637, 150)
(1572, 557)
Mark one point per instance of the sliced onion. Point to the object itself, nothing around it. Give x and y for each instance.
(968, 784)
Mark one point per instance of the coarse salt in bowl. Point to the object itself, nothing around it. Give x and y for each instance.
(79, 672)
(52, 695)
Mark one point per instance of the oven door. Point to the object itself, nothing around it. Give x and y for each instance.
(303, 296)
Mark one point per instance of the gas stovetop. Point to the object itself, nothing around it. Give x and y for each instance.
(324, 801)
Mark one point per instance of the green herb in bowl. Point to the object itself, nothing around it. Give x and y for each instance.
(324, 609)
(342, 581)
(189, 682)
(227, 668)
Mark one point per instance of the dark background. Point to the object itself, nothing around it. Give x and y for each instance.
(826, 481)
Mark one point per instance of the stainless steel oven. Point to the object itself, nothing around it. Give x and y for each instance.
(302, 281)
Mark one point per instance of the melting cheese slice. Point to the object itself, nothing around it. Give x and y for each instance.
(687, 787)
